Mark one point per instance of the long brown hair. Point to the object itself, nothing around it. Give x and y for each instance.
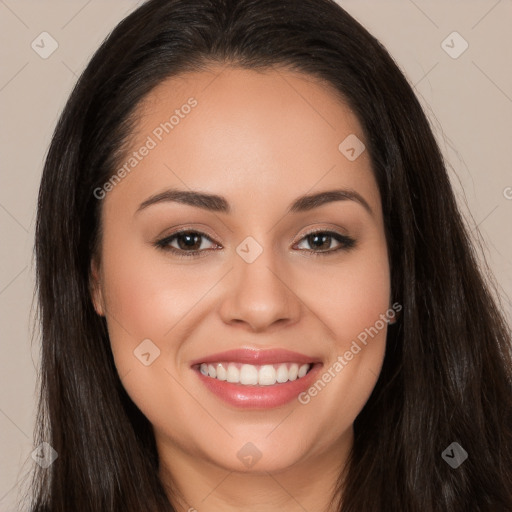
(447, 373)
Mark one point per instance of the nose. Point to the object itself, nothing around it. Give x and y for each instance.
(260, 295)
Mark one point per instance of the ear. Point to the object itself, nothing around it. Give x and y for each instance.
(95, 288)
(397, 309)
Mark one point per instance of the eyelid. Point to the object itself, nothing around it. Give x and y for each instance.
(321, 230)
(325, 228)
(184, 228)
(174, 234)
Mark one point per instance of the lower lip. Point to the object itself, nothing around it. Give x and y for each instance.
(259, 397)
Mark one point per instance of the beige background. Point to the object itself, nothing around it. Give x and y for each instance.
(468, 99)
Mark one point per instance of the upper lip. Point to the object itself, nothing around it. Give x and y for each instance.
(257, 357)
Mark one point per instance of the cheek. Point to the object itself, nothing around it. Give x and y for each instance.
(351, 296)
(145, 290)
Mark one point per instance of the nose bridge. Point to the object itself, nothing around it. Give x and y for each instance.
(258, 294)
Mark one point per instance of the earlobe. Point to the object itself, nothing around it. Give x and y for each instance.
(95, 289)
(396, 308)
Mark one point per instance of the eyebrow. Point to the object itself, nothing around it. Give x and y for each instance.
(219, 204)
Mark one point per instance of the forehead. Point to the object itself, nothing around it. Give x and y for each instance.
(237, 129)
(272, 99)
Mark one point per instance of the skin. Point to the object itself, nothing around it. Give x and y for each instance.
(260, 140)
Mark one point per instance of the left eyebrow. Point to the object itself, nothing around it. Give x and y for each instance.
(308, 202)
(216, 203)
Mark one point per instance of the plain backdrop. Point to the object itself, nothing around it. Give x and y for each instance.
(467, 97)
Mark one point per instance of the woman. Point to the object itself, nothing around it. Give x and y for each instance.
(255, 372)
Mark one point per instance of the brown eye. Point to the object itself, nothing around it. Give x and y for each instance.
(188, 243)
(189, 240)
(323, 239)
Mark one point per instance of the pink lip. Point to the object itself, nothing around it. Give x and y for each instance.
(256, 396)
(257, 357)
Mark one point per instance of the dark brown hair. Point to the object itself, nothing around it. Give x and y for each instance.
(447, 369)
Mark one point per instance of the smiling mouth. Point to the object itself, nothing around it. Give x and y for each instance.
(254, 375)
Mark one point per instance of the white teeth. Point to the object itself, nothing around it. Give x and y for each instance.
(267, 375)
(221, 372)
(233, 374)
(248, 374)
(212, 371)
(293, 371)
(302, 371)
(282, 373)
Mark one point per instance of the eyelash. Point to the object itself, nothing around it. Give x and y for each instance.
(347, 243)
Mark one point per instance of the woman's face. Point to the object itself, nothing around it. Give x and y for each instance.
(261, 283)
